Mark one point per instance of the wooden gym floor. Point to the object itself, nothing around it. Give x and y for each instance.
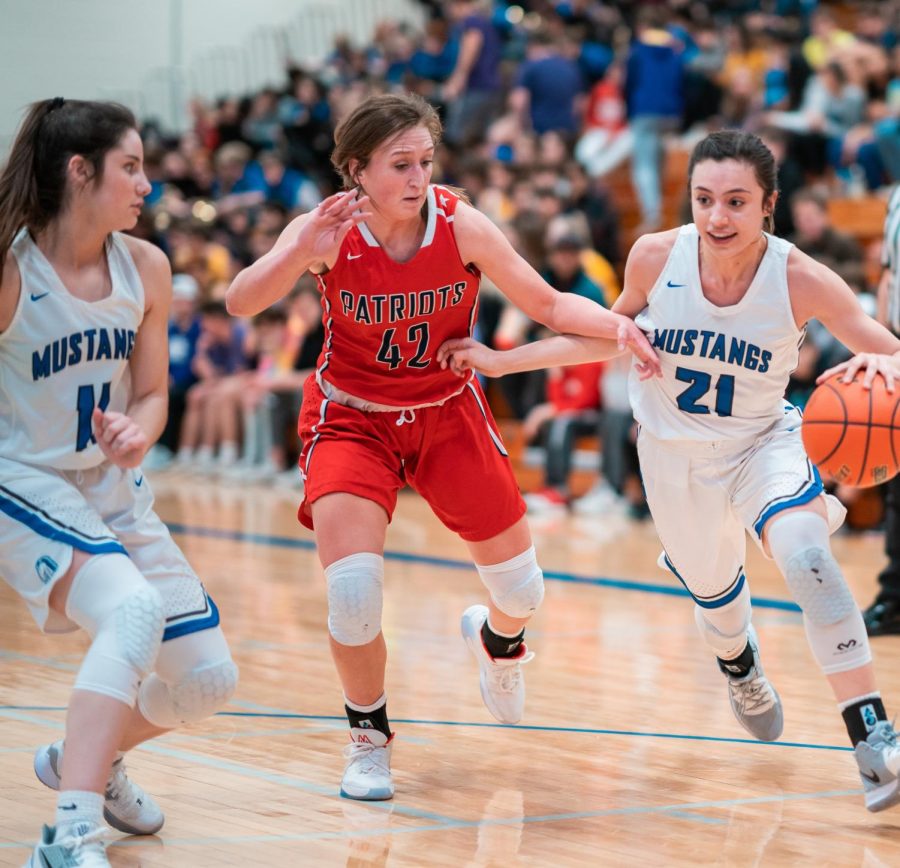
(628, 753)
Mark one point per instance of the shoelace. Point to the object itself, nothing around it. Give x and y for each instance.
(506, 674)
(755, 694)
(119, 783)
(369, 757)
(886, 733)
(74, 840)
(403, 418)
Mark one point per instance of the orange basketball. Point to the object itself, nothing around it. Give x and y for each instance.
(852, 434)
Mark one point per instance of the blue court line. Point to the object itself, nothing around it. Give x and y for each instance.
(574, 730)
(452, 825)
(448, 563)
(49, 662)
(440, 823)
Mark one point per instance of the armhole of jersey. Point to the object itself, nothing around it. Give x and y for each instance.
(789, 308)
(128, 267)
(665, 266)
(451, 226)
(19, 301)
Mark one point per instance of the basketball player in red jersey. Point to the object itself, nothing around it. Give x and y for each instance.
(399, 262)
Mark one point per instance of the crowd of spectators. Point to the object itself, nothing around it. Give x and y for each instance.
(559, 116)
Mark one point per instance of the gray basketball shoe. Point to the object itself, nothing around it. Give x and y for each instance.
(878, 758)
(754, 701)
(126, 806)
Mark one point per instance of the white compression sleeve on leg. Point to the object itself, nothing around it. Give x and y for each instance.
(113, 601)
(799, 543)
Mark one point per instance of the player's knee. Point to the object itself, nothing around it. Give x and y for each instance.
(516, 586)
(112, 601)
(194, 695)
(834, 625)
(816, 583)
(355, 595)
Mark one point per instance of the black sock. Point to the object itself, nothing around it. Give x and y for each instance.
(501, 646)
(861, 717)
(376, 719)
(740, 666)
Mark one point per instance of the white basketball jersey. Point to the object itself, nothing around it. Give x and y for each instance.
(725, 369)
(61, 357)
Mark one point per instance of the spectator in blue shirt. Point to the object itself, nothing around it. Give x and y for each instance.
(549, 88)
(473, 89)
(654, 93)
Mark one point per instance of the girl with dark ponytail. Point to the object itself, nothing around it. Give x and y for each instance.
(726, 305)
(83, 395)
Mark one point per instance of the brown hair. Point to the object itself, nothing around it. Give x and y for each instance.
(374, 121)
(745, 148)
(33, 182)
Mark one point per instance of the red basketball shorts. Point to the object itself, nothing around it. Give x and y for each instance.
(451, 454)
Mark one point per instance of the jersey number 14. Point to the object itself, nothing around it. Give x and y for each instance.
(86, 403)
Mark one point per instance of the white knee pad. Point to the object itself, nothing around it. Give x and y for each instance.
(833, 622)
(834, 626)
(355, 593)
(516, 586)
(195, 677)
(724, 628)
(124, 615)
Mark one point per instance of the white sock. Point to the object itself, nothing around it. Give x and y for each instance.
(78, 806)
(228, 453)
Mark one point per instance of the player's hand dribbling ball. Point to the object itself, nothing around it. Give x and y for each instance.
(852, 434)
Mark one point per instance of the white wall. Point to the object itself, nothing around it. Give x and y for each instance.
(152, 54)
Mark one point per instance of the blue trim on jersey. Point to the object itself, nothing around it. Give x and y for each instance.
(185, 628)
(708, 604)
(816, 488)
(18, 513)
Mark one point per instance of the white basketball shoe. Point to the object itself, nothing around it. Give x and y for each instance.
(502, 682)
(367, 774)
(80, 844)
(126, 808)
(878, 758)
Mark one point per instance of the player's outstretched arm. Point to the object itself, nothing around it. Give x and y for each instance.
(817, 292)
(311, 241)
(483, 244)
(466, 354)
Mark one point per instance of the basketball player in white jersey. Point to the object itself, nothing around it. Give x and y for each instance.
(724, 304)
(83, 372)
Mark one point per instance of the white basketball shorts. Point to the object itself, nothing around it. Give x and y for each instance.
(706, 495)
(45, 514)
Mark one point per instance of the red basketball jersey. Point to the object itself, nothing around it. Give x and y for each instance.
(385, 320)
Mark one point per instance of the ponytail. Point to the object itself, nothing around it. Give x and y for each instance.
(19, 198)
(33, 182)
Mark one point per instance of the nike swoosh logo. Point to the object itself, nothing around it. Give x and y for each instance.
(139, 482)
(71, 807)
(674, 285)
(353, 256)
(873, 777)
(37, 297)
